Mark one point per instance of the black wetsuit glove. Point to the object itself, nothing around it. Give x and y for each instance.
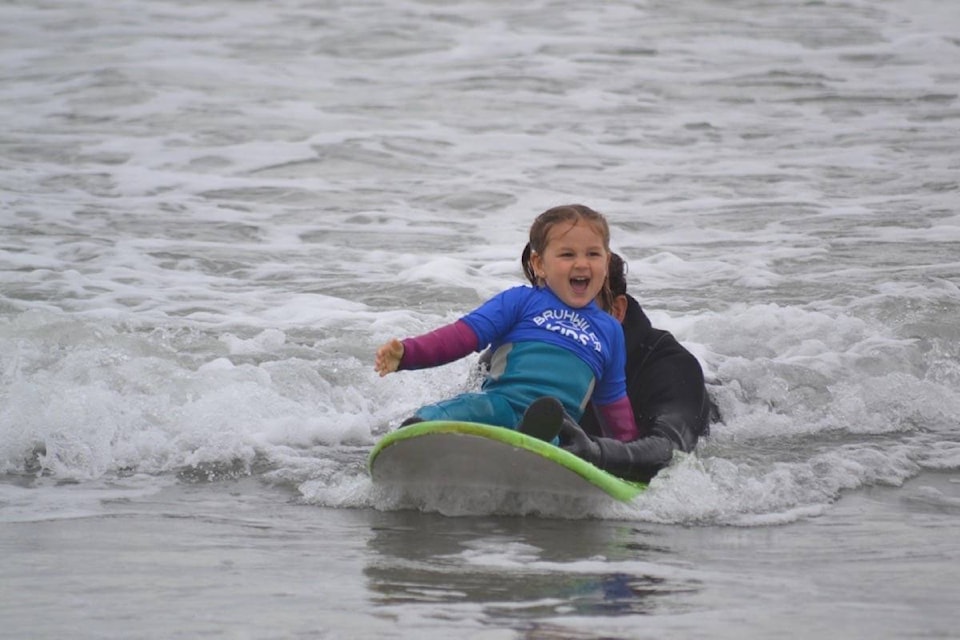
(576, 441)
(638, 460)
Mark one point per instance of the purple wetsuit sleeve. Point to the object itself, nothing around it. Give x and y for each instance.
(440, 346)
(618, 419)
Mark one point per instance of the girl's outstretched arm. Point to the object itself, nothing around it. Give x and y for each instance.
(388, 357)
(440, 346)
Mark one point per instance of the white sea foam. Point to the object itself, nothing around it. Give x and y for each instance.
(202, 249)
(211, 214)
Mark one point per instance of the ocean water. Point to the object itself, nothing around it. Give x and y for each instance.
(211, 214)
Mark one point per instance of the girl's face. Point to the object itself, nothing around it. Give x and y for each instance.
(573, 264)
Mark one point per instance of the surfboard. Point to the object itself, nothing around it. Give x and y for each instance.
(472, 455)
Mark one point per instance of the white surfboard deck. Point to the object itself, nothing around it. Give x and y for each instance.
(472, 455)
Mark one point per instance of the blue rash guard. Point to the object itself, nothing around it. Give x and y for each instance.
(541, 347)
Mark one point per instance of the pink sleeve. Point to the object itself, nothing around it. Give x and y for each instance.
(619, 422)
(441, 346)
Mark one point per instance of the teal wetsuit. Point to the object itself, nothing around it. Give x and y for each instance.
(541, 347)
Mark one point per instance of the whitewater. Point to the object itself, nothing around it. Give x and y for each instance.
(211, 214)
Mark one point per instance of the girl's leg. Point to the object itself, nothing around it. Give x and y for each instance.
(541, 420)
(472, 407)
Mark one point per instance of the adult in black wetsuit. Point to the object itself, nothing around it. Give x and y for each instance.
(666, 389)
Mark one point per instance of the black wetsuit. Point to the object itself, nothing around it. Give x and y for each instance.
(670, 402)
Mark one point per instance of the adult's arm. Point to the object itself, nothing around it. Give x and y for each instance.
(637, 460)
(672, 408)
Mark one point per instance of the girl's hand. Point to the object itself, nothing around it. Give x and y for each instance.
(388, 357)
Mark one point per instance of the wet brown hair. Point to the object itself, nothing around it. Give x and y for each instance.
(617, 275)
(568, 213)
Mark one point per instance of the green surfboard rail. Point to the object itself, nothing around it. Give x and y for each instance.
(615, 487)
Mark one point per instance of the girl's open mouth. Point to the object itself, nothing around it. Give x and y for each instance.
(579, 285)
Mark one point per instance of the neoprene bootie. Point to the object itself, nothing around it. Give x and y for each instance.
(542, 419)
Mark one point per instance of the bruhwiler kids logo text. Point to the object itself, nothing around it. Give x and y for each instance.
(570, 324)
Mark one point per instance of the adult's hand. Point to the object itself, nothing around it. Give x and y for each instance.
(576, 441)
(637, 460)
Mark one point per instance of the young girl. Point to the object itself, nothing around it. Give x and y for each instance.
(550, 342)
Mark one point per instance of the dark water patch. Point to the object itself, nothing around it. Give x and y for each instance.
(96, 184)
